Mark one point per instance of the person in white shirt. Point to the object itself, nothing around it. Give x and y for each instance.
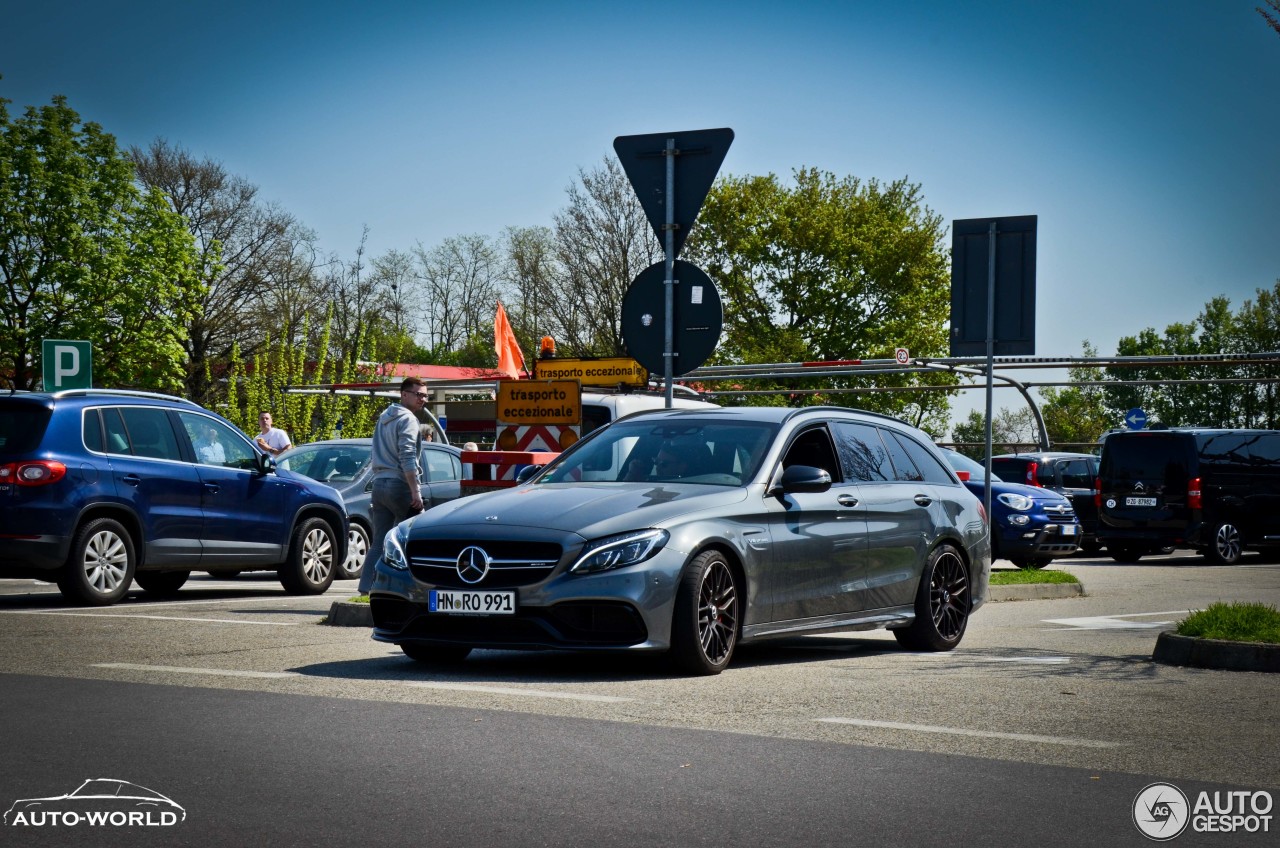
(208, 449)
(273, 440)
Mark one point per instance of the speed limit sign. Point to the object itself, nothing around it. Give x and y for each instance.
(902, 355)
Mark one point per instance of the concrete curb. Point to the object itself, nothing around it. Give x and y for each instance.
(1035, 591)
(349, 614)
(1173, 649)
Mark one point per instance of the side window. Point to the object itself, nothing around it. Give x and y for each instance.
(150, 433)
(1046, 475)
(1076, 474)
(215, 443)
(593, 417)
(440, 467)
(931, 469)
(813, 448)
(92, 425)
(1226, 452)
(903, 467)
(862, 454)
(117, 436)
(1264, 452)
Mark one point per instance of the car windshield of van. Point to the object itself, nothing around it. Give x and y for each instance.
(713, 453)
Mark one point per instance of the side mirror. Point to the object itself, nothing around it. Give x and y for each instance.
(804, 478)
(526, 473)
(266, 463)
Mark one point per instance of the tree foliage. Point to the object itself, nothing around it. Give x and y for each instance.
(85, 254)
(829, 268)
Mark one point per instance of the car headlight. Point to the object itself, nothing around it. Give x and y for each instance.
(393, 546)
(1022, 503)
(617, 551)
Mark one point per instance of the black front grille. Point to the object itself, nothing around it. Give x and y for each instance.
(512, 563)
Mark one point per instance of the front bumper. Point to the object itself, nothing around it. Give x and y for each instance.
(628, 608)
(1043, 542)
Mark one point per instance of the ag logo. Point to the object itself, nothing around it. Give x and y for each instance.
(1161, 811)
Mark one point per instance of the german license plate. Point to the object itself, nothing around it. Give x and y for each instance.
(1139, 501)
(472, 603)
(1069, 529)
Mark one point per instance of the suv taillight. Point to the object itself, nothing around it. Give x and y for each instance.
(1097, 493)
(1032, 479)
(1193, 493)
(39, 472)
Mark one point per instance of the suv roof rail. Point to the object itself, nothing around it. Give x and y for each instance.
(121, 393)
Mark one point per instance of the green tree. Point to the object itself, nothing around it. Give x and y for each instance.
(828, 269)
(86, 254)
(1077, 415)
(1012, 430)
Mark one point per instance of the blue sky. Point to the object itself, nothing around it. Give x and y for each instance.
(1143, 133)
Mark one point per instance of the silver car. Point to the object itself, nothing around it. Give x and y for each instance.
(344, 465)
(694, 531)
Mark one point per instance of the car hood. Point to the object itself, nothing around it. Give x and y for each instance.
(589, 509)
(1034, 492)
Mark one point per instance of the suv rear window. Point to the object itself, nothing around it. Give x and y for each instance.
(22, 427)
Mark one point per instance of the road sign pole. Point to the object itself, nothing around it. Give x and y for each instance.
(668, 350)
(991, 359)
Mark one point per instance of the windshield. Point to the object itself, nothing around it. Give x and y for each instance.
(687, 450)
(327, 463)
(977, 471)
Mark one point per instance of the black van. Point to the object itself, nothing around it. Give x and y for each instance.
(1217, 491)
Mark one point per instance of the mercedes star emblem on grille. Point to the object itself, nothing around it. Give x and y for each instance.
(473, 564)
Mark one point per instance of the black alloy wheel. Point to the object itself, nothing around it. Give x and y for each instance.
(706, 621)
(943, 602)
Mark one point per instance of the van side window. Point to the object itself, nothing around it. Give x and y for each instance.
(1264, 452)
(1225, 451)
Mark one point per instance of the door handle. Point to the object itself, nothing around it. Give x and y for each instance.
(131, 479)
(211, 488)
(847, 500)
(923, 500)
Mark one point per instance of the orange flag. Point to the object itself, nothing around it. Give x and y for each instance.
(510, 359)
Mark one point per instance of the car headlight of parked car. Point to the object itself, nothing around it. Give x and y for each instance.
(393, 546)
(1022, 503)
(617, 551)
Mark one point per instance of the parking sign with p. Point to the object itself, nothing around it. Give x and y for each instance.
(66, 364)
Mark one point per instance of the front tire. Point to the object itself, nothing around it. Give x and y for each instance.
(707, 617)
(943, 602)
(311, 564)
(1123, 553)
(1225, 548)
(436, 654)
(101, 564)
(357, 548)
(163, 583)
(1034, 564)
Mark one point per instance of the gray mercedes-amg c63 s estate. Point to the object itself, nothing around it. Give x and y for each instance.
(694, 531)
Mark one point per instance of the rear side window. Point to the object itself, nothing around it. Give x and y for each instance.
(1264, 452)
(926, 463)
(1077, 473)
(92, 430)
(22, 427)
(1227, 451)
(150, 433)
(441, 465)
(904, 467)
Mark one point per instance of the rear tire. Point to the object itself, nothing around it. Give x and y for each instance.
(101, 564)
(436, 654)
(1123, 553)
(707, 617)
(1034, 564)
(1225, 546)
(943, 602)
(162, 583)
(311, 564)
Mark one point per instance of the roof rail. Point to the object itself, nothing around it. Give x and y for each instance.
(121, 393)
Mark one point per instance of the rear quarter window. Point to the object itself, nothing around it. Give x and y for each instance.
(22, 427)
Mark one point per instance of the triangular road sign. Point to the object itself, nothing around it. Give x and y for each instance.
(699, 154)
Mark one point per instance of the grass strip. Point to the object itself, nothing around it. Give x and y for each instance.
(1030, 575)
(1233, 622)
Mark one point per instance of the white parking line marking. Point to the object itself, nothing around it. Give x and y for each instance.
(1111, 622)
(167, 604)
(528, 693)
(1037, 660)
(155, 617)
(220, 672)
(985, 734)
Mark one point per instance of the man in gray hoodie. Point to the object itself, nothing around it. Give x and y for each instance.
(396, 489)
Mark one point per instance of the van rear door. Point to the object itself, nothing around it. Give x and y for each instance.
(1144, 480)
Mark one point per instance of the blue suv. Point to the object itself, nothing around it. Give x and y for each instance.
(99, 488)
(1030, 526)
